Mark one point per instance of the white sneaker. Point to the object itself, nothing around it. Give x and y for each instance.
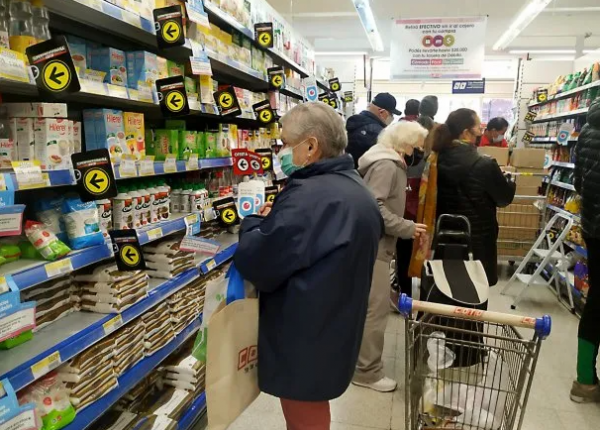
(384, 385)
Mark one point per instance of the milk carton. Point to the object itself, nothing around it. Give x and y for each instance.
(110, 132)
(135, 134)
(113, 63)
(25, 138)
(52, 146)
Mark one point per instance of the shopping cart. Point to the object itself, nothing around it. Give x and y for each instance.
(490, 395)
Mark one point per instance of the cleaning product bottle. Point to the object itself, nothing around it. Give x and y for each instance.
(20, 29)
(4, 20)
(41, 31)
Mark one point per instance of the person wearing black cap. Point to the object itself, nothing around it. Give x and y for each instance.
(364, 128)
(411, 110)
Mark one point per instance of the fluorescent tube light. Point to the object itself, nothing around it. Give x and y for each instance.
(542, 51)
(340, 53)
(367, 19)
(520, 22)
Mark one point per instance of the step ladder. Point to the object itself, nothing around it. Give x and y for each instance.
(547, 250)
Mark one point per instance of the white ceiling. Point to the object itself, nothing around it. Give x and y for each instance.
(332, 25)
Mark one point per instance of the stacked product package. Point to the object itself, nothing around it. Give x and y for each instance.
(187, 304)
(105, 289)
(159, 328)
(129, 346)
(165, 260)
(53, 301)
(183, 371)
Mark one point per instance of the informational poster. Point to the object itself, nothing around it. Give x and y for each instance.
(438, 48)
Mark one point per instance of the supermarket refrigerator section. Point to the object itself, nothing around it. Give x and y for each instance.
(119, 208)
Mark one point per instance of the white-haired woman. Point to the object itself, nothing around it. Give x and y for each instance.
(383, 168)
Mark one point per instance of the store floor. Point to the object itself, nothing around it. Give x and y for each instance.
(549, 405)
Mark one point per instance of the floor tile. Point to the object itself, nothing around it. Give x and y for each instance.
(363, 407)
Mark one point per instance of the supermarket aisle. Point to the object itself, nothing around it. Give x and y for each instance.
(549, 406)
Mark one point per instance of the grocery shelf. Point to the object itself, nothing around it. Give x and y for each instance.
(55, 178)
(549, 140)
(323, 85)
(159, 167)
(29, 273)
(177, 222)
(80, 330)
(213, 163)
(229, 245)
(563, 164)
(567, 93)
(193, 413)
(576, 112)
(556, 209)
(563, 185)
(577, 248)
(129, 379)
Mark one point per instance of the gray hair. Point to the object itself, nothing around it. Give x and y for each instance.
(401, 134)
(318, 120)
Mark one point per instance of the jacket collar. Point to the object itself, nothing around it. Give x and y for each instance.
(373, 117)
(329, 165)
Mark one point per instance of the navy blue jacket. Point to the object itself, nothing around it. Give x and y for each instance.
(311, 259)
(363, 130)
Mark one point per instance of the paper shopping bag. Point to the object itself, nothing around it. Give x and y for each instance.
(231, 362)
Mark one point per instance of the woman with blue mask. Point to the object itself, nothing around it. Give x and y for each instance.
(310, 255)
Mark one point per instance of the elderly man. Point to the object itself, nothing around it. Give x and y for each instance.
(311, 256)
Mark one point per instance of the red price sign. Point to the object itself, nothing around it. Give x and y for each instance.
(246, 162)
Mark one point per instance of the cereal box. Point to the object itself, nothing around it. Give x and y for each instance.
(134, 134)
(52, 147)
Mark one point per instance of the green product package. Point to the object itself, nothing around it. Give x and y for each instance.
(56, 420)
(175, 124)
(166, 143)
(191, 85)
(9, 252)
(187, 144)
(17, 340)
(174, 68)
(28, 251)
(201, 144)
(211, 144)
(150, 142)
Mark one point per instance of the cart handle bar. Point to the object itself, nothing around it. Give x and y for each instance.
(542, 326)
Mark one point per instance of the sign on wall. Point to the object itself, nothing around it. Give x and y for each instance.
(468, 87)
(438, 48)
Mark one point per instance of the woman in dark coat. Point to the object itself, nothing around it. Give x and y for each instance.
(311, 257)
(471, 184)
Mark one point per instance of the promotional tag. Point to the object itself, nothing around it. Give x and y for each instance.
(128, 252)
(528, 137)
(271, 193)
(276, 78)
(52, 67)
(241, 162)
(199, 245)
(334, 85)
(226, 211)
(542, 95)
(564, 134)
(263, 33)
(127, 167)
(172, 96)
(264, 112)
(266, 158)
(311, 92)
(28, 174)
(530, 117)
(324, 97)
(168, 23)
(227, 102)
(94, 174)
(348, 97)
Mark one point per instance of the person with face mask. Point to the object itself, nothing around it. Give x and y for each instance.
(310, 254)
(494, 133)
(383, 168)
(471, 184)
(364, 128)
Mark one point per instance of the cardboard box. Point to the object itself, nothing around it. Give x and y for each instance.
(518, 219)
(528, 181)
(25, 139)
(527, 191)
(528, 157)
(53, 143)
(508, 233)
(498, 154)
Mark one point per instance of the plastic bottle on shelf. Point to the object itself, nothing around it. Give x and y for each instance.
(154, 203)
(20, 30)
(197, 199)
(186, 191)
(138, 206)
(176, 197)
(165, 193)
(122, 211)
(41, 21)
(105, 214)
(4, 24)
(146, 216)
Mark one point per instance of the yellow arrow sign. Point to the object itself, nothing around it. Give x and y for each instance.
(130, 255)
(226, 100)
(271, 198)
(265, 115)
(335, 86)
(265, 39)
(96, 181)
(266, 163)
(228, 216)
(277, 81)
(175, 101)
(56, 75)
(171, 31)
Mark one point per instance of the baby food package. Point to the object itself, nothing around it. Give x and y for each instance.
(46, 242)
(52, 143)
(187, 144)
(135, 134)
(76, 136)
(110, 132)
(25, 138)
(142, 66)
(165, 143)
(89, 129)
(82, 223)
(78, 51)
(49, 212)
(113, 62)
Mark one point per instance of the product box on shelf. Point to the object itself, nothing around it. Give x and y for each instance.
(528, 157)
(110, 132)
(135, 134)
(113, 62)
(165, 142)
(187, 144)
(53, 142)
(36, 110)
(498, 154)
(77, 136)
(89, 129)
(519, 215)
(142, 66)
(78, 51)
(25, 138)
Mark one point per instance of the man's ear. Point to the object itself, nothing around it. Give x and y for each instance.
(313, 145)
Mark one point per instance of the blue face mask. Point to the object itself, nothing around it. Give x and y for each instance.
(286, 159)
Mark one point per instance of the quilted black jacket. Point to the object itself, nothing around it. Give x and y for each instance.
(587, 172)
(473, 185)
(363, 131)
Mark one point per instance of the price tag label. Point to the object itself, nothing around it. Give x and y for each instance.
(211, 265)
(189, 220)
(147, 166)
(2, 183)
(46, 365)
(60, 267)
(155, 233)
(197, 14)
(131, 19)
(171, 164)
(93, 87)
(200, 245)
(127, 168)
(95, 4)
(29, 174)
(192, 163)
(200, 64)
(117, 91)
(112, 324)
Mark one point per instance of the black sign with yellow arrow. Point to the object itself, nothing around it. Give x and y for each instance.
(169, 26)
(276, 78)
(172, 96)
(263, 33)
(324, 97)
(266, 158)
(94, 174)
(264, 112)
(226, 211)
(52, 67)
(333, 101)
(127, 249)
(334, 85)
(227, 102)
(542, 95)
(271, 193)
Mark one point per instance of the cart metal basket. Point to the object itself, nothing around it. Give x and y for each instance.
(489, 395)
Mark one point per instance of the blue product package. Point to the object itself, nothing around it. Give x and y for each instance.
(49, 212)
(113, 62)
(82, 223)
(142, 67)
(89, 129)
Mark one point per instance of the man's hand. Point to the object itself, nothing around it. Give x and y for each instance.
(420, 230)
(265, 209)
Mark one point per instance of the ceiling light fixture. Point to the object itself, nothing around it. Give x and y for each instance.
(527, 14)
(340, 53)
(367, 19)
(542, 51)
